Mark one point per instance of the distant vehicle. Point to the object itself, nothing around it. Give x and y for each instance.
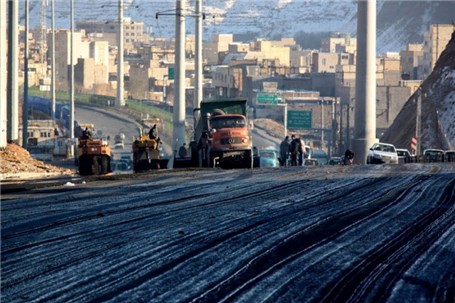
(449, 155)
(381, 153)
(404, 156)
(433, 155)
(321, 156)
(335, 161)
(119, 141)
(268, 158)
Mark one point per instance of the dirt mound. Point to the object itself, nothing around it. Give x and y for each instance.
(16, 160)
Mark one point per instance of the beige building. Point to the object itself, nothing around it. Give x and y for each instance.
(435, 41)
(81, 49)
(339, 43)
(220, 43)
(324, 62)
(410, 59)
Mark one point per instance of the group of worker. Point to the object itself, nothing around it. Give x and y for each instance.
(293, 148)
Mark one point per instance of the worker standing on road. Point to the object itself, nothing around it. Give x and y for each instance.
(203, 150)
(182, 151)
(294, 150)
(284, 151)
(348, 157)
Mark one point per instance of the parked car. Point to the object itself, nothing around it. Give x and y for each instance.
(449, 155)
(382, 153)
(268, 158)
(433, 155)
(404, 156)
(335, 161)
(321, 156)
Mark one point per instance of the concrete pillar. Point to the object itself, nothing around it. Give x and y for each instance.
(198, 84)
(71, 134)
(365, 93)
(13, 59)
(179, 85)
(3, 68)
(120, 51)
(25, 103)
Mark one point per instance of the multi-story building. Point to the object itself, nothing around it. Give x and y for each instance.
(435, 41)
(81, 49)
(410, 59)
(339, 43)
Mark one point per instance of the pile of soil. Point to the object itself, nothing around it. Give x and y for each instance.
(16, 160)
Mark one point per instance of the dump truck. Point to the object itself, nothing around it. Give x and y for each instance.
(223, 124)
(147, 154)
(93, 154)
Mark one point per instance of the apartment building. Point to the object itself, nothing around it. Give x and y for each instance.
(63, 53)
(410, 59)
(435, 41)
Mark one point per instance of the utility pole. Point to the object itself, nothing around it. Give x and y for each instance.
(179, 86)
(71, 135)
(420, 97)
(25, 103)
(198, 83)
(12, 84)
(53, 59)
(120, 51)
(3, 73)
(365, 92)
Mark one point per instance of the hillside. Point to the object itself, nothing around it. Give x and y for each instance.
(438, 108)
(405, 21)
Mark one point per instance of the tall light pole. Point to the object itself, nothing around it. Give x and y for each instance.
(120, 79)
(3, 75)
(365, 92)
(12, 85)
(179, 84)
(25, 103)
(198, 85)
(71, 135)
(53, 58)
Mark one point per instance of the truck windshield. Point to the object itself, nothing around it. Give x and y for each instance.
(227, 122)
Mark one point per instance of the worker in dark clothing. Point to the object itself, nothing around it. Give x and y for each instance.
(153, 133)
(203, 148)
(182, 151)
(86, 134)
(348, 157)
(284, 151)
(294, 150)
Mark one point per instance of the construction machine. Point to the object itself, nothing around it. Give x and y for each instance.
(93, 154)
(223, 124)
(147, 154)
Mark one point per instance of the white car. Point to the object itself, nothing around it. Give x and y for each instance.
(404, 156)
(382, 153)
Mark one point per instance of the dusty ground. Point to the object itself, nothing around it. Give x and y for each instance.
(15, 161)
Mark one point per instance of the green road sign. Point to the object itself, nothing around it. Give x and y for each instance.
(267, 98)
(170, 72)
(299, 119)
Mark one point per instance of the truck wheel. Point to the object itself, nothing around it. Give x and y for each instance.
(84, 166)
(95, 167)
(248, 160)
(104, 165)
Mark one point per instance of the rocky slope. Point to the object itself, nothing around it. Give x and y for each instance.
(438, 108)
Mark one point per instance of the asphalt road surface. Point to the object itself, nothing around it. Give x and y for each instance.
(305, 234)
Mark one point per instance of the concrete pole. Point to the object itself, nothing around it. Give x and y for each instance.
(419, 122)
(25, 103)
(365, 94)
(3, 72)
(120, 50)
(13, 87)
(53, 59)
(179, 86)
(71, 134)
(198, 84)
